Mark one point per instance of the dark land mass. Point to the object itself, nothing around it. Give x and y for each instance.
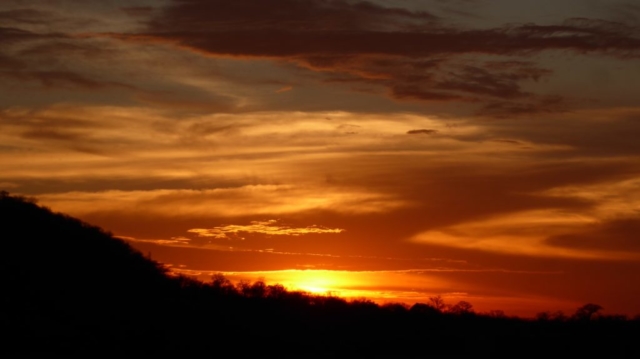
(70, 287)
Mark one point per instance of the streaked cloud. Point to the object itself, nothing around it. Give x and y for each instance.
(270, 227)
(422, 132)
(223, 202)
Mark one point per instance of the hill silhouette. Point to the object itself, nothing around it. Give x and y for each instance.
(66, 279)
(69, 286)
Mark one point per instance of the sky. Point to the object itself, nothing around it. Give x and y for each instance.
(480, 150)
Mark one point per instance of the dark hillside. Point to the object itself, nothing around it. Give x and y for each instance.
(68, 286)
(64, 278)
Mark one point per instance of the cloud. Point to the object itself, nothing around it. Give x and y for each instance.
(51, 134)
(28, 16)
(284, 89)
(507, 141)
(12, 35)
(45, 22)
(194, 102)
(605, 226)
(62, 79)
(269, 227)
(591, 132)
(422, 132)
(10, 63)
(288, 15)
(138, 11)
(522, 233)
(7, 185)
(614, 235)
(413, 54)
(296, 28)
(173, 241)
(533, 106)
(407, 55)
(223, 202)
(38, 50)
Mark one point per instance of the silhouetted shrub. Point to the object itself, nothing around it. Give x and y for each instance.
(587, 312)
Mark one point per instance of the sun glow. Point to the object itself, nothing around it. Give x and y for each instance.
(408, 287)
(350, 284)
(316, 281)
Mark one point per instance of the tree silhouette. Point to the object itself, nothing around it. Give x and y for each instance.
(462, 307)
(221, 285)
(497, 313)
(438, 303)
(587, 311)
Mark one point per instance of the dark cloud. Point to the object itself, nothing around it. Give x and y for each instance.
(296, 28)
(65, 49)
(500, 41)
(422, 132)
(208, 128)
(591, 133)
(530, 106)
(413, 54)
(62, 79)
(289, 16)
(42, 20)
(627, 12)
(45, 57)
(51, 134)
(10, 35)
(179, 102)
(442, 80)
(417, 92)
(511, 142)
(615, 235)
(35, 119)
(69, 132)
(10, 63)
(497, 79)
(25, 16)
(138, 11)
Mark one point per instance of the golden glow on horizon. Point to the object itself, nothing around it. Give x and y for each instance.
(315, 281)
(406, 287)
(380, 286)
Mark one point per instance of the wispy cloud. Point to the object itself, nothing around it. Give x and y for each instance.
(423, 131)
(269, 227)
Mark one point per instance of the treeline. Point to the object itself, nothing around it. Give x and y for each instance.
(436, 306)
(68, 286)
(300, 321)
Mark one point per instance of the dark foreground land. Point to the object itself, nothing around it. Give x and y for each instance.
(69, 287)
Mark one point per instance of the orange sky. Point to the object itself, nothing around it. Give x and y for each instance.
(482, 151)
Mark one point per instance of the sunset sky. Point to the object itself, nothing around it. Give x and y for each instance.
(481, 150)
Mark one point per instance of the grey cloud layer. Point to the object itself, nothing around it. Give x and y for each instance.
(413, 55)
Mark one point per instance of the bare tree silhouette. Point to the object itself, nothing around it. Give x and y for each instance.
(587, 311)
(438, 303)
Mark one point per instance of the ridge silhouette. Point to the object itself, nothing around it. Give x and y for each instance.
(69, 286)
